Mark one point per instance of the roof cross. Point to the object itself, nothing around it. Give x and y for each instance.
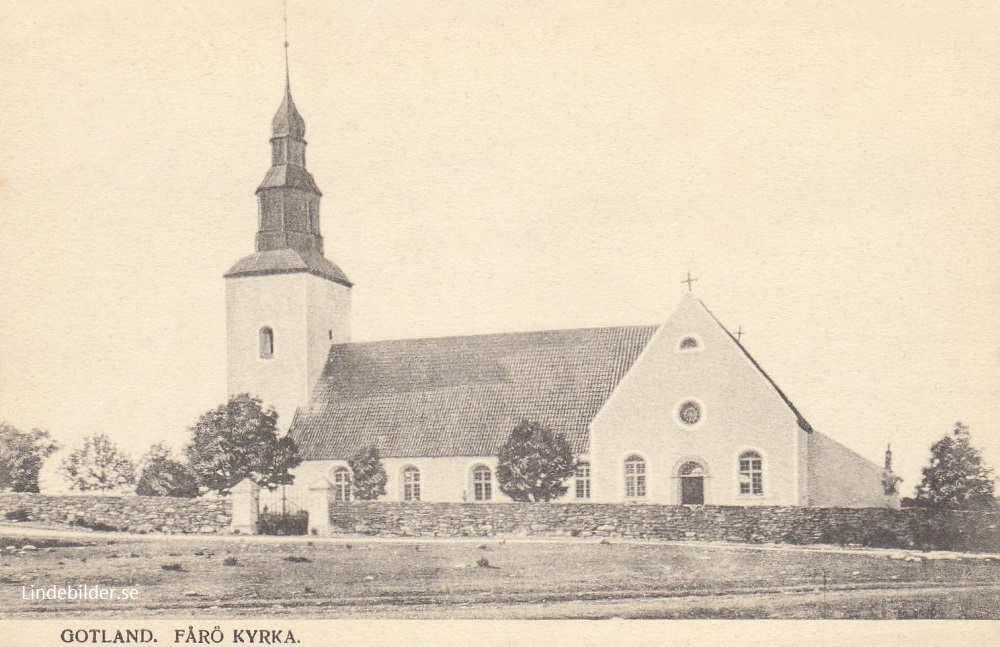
(739, 334)
(689, 281)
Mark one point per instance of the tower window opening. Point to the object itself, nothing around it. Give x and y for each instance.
(266, 342)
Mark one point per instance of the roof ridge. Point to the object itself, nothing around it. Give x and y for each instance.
(803, 423)
(499, 334)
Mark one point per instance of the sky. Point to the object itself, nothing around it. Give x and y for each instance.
(827, 171)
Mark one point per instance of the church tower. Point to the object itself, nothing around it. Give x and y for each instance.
(285, 303)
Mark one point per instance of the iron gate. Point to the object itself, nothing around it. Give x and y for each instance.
(282, 512)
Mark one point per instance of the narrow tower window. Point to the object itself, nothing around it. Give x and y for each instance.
(266, 342)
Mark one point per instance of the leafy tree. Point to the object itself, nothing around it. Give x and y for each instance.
(162, 475)
(956, 476)
(239, 440)
(98, 464)
(368, 477)
(21, 456)
(534, 463)
(890, 483)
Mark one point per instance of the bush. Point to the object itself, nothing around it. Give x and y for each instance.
(794, 536)
(879, 536)
(161, 475)
(838, 535)
(291, 523)
(98, 464)
(240, 440)
(22, 454)
(970, 531)
(100, 526)
(20, 514)
(534, 463)
(368, 477)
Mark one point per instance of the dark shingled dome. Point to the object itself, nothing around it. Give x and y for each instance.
(287, 261)
(287, 121)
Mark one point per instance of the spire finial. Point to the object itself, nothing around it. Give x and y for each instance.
(288, 81)
(689, 280)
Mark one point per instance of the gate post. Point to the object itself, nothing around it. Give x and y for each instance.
(246, 501)
(319, 507)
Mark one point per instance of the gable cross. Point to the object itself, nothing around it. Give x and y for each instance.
(739, 334)
(689, 281)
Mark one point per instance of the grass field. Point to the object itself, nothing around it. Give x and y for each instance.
(431, 579)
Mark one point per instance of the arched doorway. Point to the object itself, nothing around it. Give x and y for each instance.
(692, 476)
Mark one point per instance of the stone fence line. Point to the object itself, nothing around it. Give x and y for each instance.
(140, 514)
(882, 527)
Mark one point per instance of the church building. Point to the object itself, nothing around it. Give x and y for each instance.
(678, 413)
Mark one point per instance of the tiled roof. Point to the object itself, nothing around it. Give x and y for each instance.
(286, 261)
(462, 396)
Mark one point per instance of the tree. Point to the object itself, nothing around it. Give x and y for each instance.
(534, 463)
(98, 464)
(161, 475)
(239, 440)
(368, 477)
(956, 476)
(890, 483)
(22, 454)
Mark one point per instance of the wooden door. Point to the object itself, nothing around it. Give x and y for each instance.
(693, 490)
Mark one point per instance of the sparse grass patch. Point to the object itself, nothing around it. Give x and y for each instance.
(406, 579)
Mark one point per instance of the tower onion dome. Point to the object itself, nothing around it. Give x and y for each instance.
(287, 121)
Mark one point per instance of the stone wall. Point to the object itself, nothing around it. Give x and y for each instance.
(756, 524)
(124, 513)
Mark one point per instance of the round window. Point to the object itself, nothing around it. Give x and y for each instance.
(689, 413)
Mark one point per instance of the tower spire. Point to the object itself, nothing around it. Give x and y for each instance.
(288, 77)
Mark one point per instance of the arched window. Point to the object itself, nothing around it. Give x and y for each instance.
(411, 484)
(751, 474)
(266, 342)
(583, 480)
(482, 483)
(692, 468)
(635, 477)
(688, 343)
(341, 484)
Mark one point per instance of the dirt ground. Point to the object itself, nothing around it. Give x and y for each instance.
(220, 577)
